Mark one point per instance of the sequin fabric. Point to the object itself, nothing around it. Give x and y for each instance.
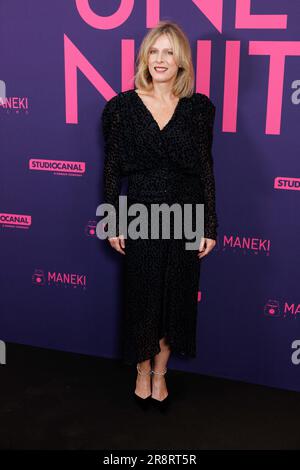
(172, 165)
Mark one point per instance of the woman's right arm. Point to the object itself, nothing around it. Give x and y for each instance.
(112, 174)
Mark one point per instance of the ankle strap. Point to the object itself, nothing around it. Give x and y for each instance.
(159, 373)
(142, 372)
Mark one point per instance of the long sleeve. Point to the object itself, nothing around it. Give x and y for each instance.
(207, 173)
(111, 126)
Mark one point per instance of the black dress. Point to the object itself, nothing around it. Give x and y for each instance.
(172, 165)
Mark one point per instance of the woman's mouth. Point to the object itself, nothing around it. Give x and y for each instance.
(160, 69)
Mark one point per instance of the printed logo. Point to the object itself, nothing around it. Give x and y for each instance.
(272, 309)
(90, 228)
(286, 183)
(246, 245)
(38, 277)
(58, 167)
(15, 220)
(13, 103)
(58, 279)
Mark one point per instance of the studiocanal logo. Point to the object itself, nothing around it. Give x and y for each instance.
(12, 104)
(40, 277)
(57, 167)
(287, 183)
(276, 309)
(2, 352)
(9, 220)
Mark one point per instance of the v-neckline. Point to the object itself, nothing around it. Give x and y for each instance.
(147, 110)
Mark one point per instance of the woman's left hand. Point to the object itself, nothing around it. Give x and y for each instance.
(206, 245)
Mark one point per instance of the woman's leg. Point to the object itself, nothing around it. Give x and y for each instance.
(143, 380)
(159, 387)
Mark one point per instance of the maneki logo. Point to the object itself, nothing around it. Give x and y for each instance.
(58, 167)
(58, 279)
(15, 220)
(13, 103)
(90, 229)
(273, 309)
(289, 184)
(246, 245)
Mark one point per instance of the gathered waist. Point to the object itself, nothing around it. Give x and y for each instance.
(165, 187)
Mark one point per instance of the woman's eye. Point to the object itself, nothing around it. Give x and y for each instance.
(170, 52)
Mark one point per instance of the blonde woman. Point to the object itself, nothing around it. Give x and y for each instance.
(159, 135)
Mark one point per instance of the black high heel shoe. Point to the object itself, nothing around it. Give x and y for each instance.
(161, 405)
(142, 402)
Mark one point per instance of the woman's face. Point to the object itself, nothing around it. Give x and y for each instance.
(161, 55)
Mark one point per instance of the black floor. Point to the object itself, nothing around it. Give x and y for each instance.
(57, 400)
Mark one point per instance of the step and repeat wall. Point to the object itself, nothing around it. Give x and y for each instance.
(61, 286)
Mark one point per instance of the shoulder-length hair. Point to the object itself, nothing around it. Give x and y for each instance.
(185, 80)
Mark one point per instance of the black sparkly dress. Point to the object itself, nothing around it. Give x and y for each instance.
(171, 165)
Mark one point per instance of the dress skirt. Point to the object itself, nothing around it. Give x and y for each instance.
(161, 295)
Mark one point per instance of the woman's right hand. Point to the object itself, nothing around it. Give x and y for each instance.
(118, 243)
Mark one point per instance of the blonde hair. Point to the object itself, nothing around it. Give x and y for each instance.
(185, 80)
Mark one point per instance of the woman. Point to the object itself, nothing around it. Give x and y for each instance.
(159, 135)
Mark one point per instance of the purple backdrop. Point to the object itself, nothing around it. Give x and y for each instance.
(61, 287)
